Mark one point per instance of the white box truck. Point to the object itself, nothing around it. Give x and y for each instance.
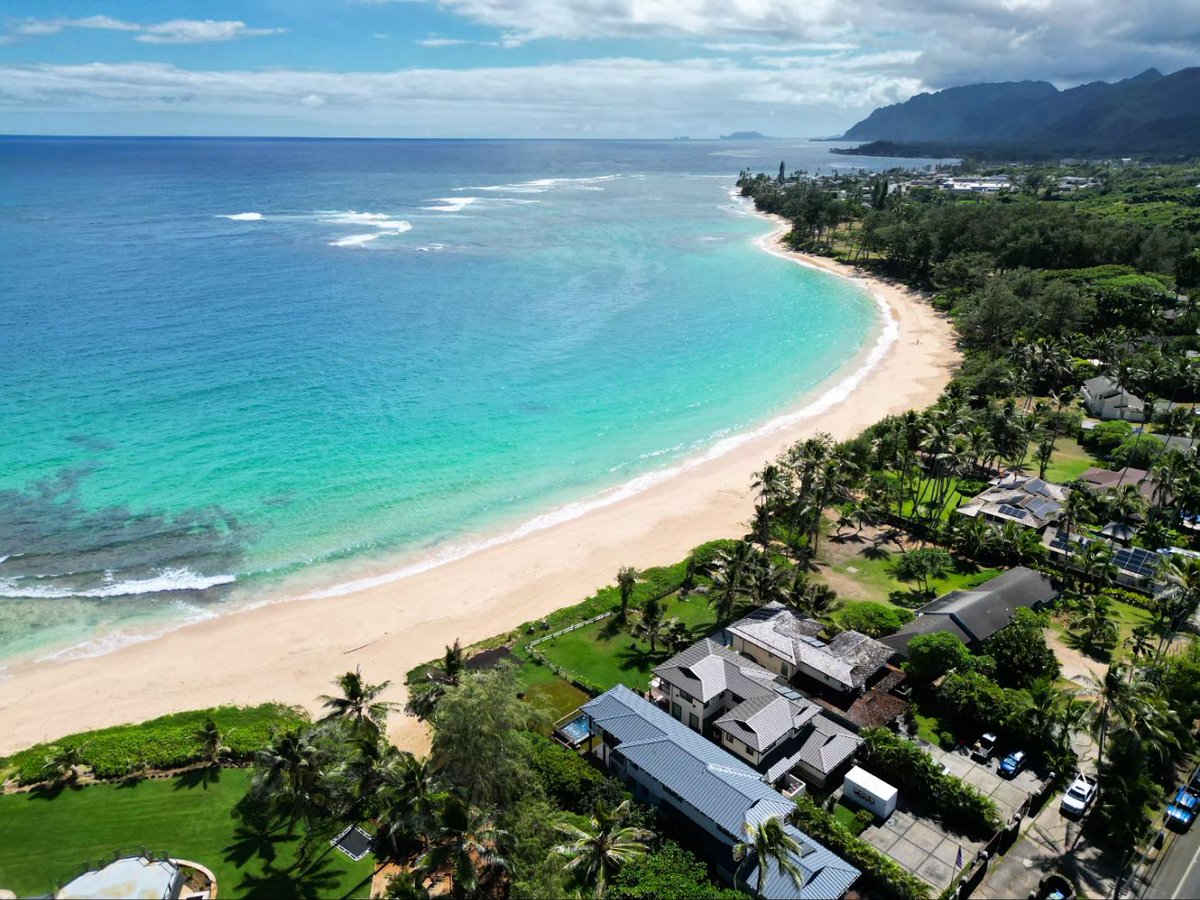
(870, 792)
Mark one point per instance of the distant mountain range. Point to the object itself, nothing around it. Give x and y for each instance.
(1149, 115)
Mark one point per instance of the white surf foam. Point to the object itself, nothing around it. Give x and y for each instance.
(357, 240)
(382, 221)
(541, 185)
(243, 217)
(451, 204)
(167, 581)
(115, 640)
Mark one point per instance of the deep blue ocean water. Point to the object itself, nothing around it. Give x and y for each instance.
(227, 362)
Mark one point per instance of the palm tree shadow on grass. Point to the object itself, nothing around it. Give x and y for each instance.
(318, 879)
(639, 658)
(52, 790)
(1078, 642)
(197, 778)
(258, 840)
(875, 552)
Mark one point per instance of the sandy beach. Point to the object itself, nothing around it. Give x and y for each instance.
(292, 651)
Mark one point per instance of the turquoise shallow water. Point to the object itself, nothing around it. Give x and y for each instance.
(230, 362)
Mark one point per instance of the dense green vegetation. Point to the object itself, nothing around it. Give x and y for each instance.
(164, 743)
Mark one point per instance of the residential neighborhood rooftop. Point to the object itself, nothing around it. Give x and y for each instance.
(706, 669)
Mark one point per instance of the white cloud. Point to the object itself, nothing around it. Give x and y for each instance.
(605, 97)
(176, 31)
(442, 42)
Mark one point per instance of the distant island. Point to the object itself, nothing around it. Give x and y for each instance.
(746, 136)
(1149, 115)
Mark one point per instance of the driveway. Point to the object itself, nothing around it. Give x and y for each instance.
(922, 846)
(1009, 794)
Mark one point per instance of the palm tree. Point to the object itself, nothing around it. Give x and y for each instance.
(651, 626)
(63, 763)
(767, 842)
(411, 797)
(771, 483)
(766, 583)
(731, 570)
(358, 703)
(596, 853)
(423, 698)
(213, 742)
(1093, 617)
(627, 577)
(468, 847)
(291, 775)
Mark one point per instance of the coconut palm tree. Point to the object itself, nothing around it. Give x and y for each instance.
(1093, 618)
(291, 775)
(358, 703)
(771, 484)
(767, 583)
(651, 625)
(599, 851)
(63, 763)
(767, 843)
(730, 576)
(627, 578)
(213, 742)
(467, 846)
(424, 697)
(410, 798)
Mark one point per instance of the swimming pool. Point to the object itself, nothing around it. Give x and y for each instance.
(576, 731)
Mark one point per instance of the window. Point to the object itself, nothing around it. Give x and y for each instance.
(685, 696)
(677, 711)
(694, 721)
(787, 670)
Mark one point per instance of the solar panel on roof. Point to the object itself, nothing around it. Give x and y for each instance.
(1134, 559)
(1042, 508)
(1036, 486)
(1007, 510)
(1061, 541)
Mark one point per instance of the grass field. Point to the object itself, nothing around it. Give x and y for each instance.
(1070, 460)
(1127, 617)
(45, 837)
(603, 655)
(873, 574)
(846, 815)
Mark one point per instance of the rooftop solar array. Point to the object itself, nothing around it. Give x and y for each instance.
(1136, 560)
(1007, 510)
(1036, 486)
(1042, 508)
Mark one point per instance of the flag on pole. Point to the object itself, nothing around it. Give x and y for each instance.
(958, 858)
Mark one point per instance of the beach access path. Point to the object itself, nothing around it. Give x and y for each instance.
(291, 651)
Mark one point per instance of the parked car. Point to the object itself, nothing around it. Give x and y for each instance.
(1079, 795)
(984, 748)
(1012, 764)
(1181, 811)
(1194, 783)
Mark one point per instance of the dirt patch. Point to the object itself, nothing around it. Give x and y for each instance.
(1077, 666)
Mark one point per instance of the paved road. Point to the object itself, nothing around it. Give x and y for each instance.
(1178, 875)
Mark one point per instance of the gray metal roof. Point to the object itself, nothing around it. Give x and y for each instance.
(706, 670)
(716, 784)
(762, 721)
(829, 879)
(850, 658)
(828, 746)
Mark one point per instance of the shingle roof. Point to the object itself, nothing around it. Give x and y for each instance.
(761, 721)
(706, 669)
(850, 658)
(978, 614)
(717, 785)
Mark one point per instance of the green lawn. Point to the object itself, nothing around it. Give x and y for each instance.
(875, 576)
(45, 837)
(926, 494)
(846, 815)
(1126, 615)
(1070, 460)
(603, 654)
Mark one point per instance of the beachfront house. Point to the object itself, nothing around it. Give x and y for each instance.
(752, 713)
(975, 615)
(710, 795)
(1132, 567)
(1026, 501)
(778, 639)
(1105, 399)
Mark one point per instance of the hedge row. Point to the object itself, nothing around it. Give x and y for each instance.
(881, 876)
(913, 770)
(164, 743)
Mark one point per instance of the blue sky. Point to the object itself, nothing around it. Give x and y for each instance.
(544, 68)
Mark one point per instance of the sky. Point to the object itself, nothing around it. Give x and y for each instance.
(545, 68)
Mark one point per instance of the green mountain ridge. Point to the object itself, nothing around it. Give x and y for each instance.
(1150, 113)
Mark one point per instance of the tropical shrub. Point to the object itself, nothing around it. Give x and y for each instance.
(930, 656)
(163, 743)
(910, 768)
(1107, 436)
(1021, 652)
(874, 619)
(564, 774)
(670, 871)
(978, 703)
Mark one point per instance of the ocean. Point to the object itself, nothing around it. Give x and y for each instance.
(241, 370)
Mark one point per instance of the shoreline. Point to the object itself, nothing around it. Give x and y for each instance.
(291, 649)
